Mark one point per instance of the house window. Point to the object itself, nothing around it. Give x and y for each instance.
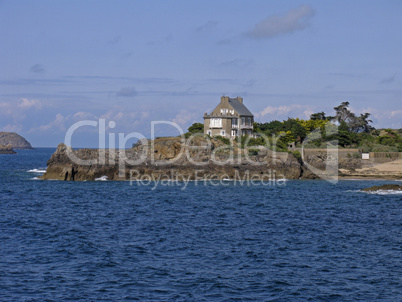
(234, 132)
(234, 122)
(222, 132)
(209, 132)
(243, 120)
(249, 121)
(216, 122)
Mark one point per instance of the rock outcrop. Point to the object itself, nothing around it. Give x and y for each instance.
(174, 159)
(15, 140)
(391, 187)
(327, 165)
(6, 149)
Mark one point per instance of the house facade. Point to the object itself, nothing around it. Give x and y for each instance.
(230, 119)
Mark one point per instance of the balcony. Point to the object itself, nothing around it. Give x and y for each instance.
(246, 127)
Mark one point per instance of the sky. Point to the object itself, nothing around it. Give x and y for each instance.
(134, 62)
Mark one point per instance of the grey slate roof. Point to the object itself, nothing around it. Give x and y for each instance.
(239, 107)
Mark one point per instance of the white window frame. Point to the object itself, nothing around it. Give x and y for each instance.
(216, 123)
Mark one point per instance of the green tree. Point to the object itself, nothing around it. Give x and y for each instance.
(342, 113)
(318, 116)
(196, 128)
(355, 123)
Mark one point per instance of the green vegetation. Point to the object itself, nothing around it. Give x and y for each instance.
(253, 151)
(223, 139)
(350, 130)
(196, 128)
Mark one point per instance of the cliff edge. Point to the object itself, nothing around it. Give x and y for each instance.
(171, 158)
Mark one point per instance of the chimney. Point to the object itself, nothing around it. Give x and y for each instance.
(224, 98)
(240, 99)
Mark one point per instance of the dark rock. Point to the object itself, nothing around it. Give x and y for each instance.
(7, 149)
(383, 187)
(171, 158)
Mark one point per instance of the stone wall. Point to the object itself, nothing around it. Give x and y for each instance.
(384, 157)
(342, 153)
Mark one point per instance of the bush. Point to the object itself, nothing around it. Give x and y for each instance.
(196, 128)
(386, 140)
(253, 152)
(223, 139)
(382, 148)
(297, 154)
(356, 155)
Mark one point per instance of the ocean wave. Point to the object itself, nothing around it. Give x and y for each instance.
(103, 178)
(37, 171)
(35, 178)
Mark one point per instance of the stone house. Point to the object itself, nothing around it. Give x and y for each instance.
(230, 119)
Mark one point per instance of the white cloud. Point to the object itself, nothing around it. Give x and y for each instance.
(293, 20)
(84, 116)
(27, 104)
(396, 113)
(14, 113)
(58, 123)
(12, 128)
(16, 108)
(184, 117)
(283, 112)
(383, 118)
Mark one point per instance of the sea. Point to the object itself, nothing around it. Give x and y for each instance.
(294, 240)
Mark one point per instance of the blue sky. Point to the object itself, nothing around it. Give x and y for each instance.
(133, 62)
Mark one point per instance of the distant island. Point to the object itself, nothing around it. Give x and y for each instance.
(14, 140)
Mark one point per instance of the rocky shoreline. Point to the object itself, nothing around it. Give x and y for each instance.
(168, 158)
(7, 149)
(174, 159)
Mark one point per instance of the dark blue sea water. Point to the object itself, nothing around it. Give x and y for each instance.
(103, 241)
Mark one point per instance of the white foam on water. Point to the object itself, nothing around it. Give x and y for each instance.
(383, 192)
(37, 171)
(103, 178)
(35, 178)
